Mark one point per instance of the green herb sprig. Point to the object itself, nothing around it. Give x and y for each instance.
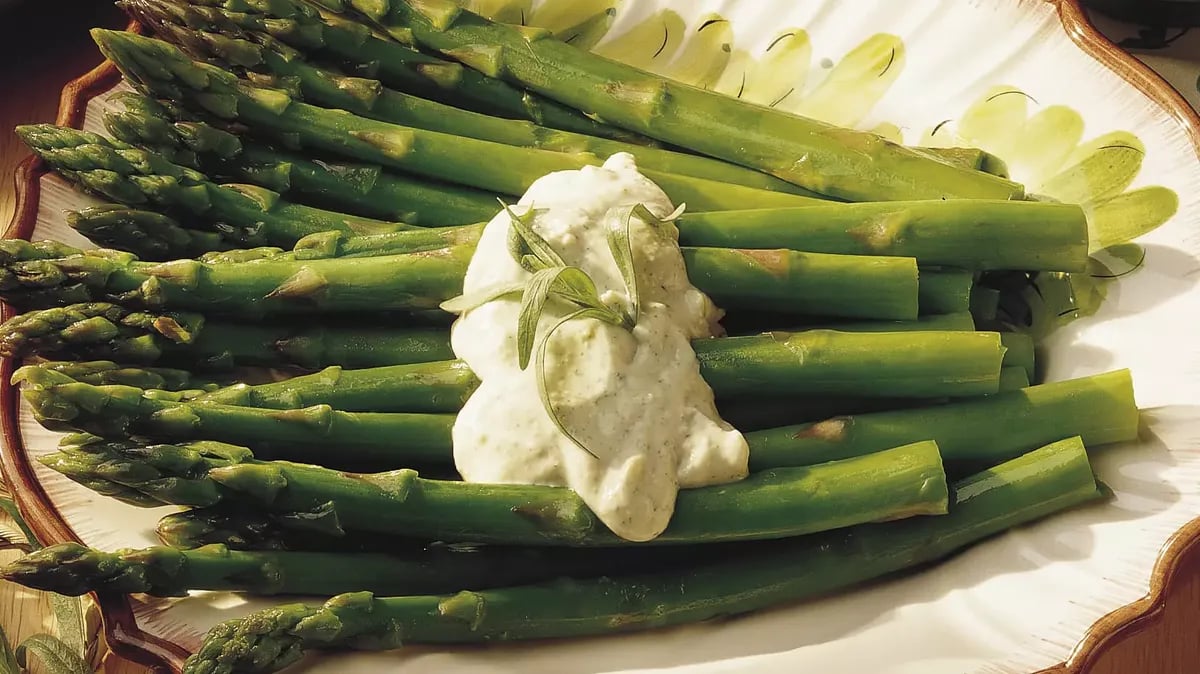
(553, 279)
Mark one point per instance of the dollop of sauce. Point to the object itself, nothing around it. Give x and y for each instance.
(634, 398)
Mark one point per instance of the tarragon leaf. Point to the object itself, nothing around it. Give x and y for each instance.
(464, 303)
(540, 370)
(55, 656)
(522, 239)
(622, 251)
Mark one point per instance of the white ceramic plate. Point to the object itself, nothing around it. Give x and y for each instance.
(1000, 74)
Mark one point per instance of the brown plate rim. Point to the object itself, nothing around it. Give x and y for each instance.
(120, 625)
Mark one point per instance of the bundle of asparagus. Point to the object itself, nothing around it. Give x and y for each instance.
(301, 186)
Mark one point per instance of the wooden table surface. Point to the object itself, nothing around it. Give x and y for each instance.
(45, 44)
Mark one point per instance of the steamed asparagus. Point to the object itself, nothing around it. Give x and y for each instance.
(302, 27)
(968, 234)
(1028, 488)
(270, 284)
(160, 68)
(356, 188)
(904, 482)
(242, 213)
(842, 163)
(1100, 408)
(188, 29)
(103, 330)
(72, 569)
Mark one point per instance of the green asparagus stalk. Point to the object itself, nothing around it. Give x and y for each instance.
(358, 189)
(187, 28)
(1019, 352)
(943, 291)
(1013, 378)
(363, 438)
(147, 234)
(1038, 484)
(273, 284)
(106, 372)
(807, 283)
(73, 569)
(295, 418)
(161, 69)
(103, 330)
(238, 528)
(901, 482)
(844, 164)
(961, 322)
(109, 331)
(818, 362)
(1101, 409)
(897, 364)
(418, 281)
(154, 237)
(300, 26)
(985, 303)
(968, 234)
(243, 213)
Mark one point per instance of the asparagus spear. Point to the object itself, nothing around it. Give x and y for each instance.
(1013, 378)
(73, 569)
(295, 418)
(160, 68)
(901, 482)
(271, 284)
(188, 29)
(1019, 352)
(134, 177)
(363, 438)
(105, 330)
(359, 189)
(944, 291)
(841, 163)
(1100, 408)
(917, 364)
(238, 528)
(106, 372)
(1038, 484)
(262, 287)
(968, 234)
(147, 234)
(302, 27)
(100, 329)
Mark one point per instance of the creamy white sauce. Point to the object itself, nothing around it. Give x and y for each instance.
(634, 398)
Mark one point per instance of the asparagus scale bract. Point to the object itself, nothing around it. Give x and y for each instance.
(1025, 489)
(904, 482)
(842, 163)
